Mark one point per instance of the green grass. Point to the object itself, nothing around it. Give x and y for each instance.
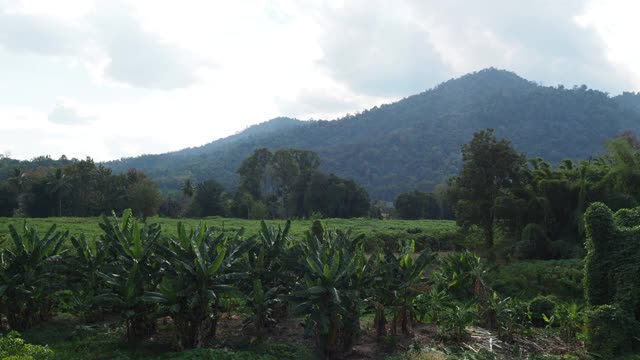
(423, 231)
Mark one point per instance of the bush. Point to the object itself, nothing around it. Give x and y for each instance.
(13, 347)
(608, 329)
(527, 279)
(542, 305)
(534, 243)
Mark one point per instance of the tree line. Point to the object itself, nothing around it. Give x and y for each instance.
(284, 184)
(532, 209)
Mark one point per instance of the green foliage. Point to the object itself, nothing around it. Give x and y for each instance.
(74, 187)
(541, 307)
(429, 305)
(454, 319)
(490, 167)
(197, 271)
(208, 199)
(461, 274)
(271, 265)
(610, 331)
(513, 316)
(534, 243)
(402, 274)
(612, 279)
(30, 275)
(144, 199)
(133, 272)
(569, 318)
(13, 347)
(317, 229)
(330, 296)
(418, 205)
(84, 278)
(527, 279)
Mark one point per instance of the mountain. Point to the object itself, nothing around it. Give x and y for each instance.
(415, 143)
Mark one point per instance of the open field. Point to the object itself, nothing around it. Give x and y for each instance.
(372, 229)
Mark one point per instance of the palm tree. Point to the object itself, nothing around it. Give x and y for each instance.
(188, 188)
(59, 185)
(19, 180)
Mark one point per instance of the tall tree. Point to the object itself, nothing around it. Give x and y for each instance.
(187, 188)
(252, 172)
(59, 186)
(490, 167)
(208, 199)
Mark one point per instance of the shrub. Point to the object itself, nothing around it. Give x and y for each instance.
(527, 279)
(540, 307)
(534, 243)
(13, 347)
(608, 329)
(454, 320)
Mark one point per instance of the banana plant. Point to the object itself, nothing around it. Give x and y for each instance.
(198, 270)
(401, 278)
(463, 276)
(270, 262)
(330, 296)
(29, 275)
(132, 271)
(83, 269)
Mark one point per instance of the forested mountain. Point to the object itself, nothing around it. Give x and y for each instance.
(415, 142)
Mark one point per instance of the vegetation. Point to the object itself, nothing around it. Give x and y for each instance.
(414, 143)
(285, 184)
(612, 280)
(198, 286)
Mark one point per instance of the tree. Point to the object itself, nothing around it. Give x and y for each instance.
(208, 199)
(417, 205)
(144, 198)
(59, 186)
(490, 167)
(252, 172)
(187, 188)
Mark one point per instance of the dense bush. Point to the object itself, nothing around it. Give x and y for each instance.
(541, 307)
(13, 347)
(612, 280)
(527, 279)
(610, 331)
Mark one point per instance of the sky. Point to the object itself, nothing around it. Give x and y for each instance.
(114, 78)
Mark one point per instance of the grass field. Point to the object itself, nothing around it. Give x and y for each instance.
(423, 231)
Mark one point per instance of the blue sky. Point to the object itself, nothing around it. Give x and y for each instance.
(109, 78)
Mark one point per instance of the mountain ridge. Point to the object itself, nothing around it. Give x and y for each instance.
(414, 143)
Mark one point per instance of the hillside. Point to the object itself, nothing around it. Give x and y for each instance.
(415, 142)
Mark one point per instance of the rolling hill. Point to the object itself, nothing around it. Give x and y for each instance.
(415, 143)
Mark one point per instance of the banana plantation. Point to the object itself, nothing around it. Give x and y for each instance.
(187, 286)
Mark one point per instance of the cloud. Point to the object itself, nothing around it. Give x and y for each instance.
(330, 103)
(376, 48)
(139, 58)
(400, 48)
(65, 114)
(37, 34)
(109, 39)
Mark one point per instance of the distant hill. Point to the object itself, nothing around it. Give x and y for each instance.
(415, 142)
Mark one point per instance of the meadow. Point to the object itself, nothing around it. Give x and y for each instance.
(437, 233)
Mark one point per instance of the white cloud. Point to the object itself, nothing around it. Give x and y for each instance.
(66, 113)
(107, 38)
